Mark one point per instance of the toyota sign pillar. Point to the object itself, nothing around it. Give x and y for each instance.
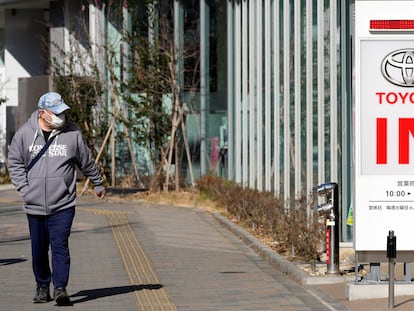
(384, 125)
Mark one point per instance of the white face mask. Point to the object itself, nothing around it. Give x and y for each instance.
(57, 120)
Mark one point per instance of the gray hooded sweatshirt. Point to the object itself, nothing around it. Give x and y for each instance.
(50, 185)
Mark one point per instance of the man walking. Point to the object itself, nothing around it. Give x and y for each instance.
(43, 157)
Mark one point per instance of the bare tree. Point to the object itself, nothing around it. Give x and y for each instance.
(157, 71)
(131, 83)
(85, 72)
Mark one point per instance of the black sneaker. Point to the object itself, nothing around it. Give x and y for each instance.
(61, 297)
(42, 294)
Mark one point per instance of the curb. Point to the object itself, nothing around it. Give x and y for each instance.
(275, 260)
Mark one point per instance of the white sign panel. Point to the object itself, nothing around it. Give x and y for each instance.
(384, 125)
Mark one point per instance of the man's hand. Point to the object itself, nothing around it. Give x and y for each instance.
(101, 194)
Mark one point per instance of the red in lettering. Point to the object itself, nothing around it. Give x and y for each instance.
(406, 130)
(381, 141)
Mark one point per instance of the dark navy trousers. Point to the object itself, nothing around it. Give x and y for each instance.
(51, 231)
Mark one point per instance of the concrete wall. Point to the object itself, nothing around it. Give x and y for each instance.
(25, 56)
(30, 90)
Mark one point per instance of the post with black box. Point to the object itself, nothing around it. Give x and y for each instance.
(330, 208)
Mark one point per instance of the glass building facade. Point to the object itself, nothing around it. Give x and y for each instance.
(289, 96)
(273, 111)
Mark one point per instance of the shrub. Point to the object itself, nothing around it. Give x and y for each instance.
(290, 230)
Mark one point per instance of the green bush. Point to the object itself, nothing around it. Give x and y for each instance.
(288, 228)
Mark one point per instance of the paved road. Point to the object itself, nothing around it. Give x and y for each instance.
(134, 256)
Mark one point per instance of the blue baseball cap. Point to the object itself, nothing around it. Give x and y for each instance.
(53, 102)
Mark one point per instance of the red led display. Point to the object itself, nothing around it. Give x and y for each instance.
(391, 25)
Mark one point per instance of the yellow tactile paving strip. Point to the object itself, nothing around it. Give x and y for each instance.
(150, 294)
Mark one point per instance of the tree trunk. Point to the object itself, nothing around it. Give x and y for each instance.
(187, 149)
(108, 133)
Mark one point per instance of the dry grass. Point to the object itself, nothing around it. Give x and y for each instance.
(190, 198)
(5, 179)
(182, 198)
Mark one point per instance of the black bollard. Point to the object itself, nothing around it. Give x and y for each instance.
(391, 254)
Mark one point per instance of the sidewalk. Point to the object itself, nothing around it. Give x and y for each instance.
(135, 256)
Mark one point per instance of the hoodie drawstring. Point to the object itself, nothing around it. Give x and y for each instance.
(34, 139)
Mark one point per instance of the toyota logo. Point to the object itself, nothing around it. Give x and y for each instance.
(398, 67)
